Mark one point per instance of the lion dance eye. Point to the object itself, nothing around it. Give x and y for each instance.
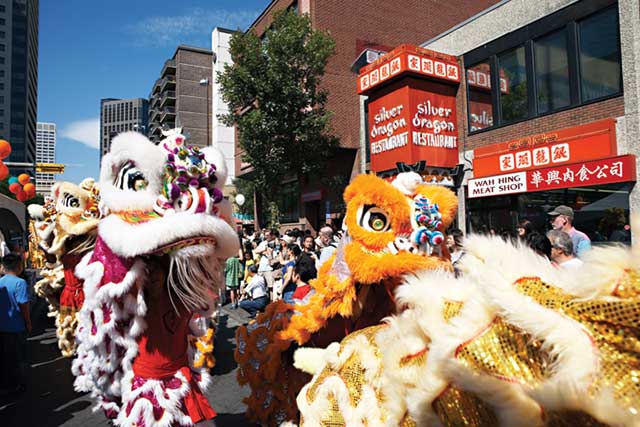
(374, 219)
(131, 178)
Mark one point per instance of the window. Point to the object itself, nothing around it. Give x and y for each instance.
(600, 55)
(564, 60)
(480, 105)
(513, 102)
(552, 71)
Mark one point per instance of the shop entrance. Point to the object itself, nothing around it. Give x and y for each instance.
(602, 212)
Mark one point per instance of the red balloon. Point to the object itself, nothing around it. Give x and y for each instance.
(15, 187)
(4, 171)
(23, 178)
(21, 196)
(5, 149)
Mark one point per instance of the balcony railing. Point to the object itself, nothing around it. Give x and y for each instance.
(169, 67)
(168, 97)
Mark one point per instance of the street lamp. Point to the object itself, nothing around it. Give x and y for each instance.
(205, 82)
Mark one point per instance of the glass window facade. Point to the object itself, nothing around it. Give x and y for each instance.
(565, 60)
(552, 71)
(600, 68)
(513, 102)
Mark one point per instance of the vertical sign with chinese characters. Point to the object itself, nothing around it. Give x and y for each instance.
(412, 116)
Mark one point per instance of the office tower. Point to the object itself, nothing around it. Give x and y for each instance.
(181, 96)
(19, 78)
(121, 115)
(45, 153)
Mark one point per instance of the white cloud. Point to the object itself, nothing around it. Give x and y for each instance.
(192, 27)
(84, 131)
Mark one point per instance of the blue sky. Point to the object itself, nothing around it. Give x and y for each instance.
(91, 50)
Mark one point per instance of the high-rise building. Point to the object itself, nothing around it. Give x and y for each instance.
(19, 77)
(181, 97)
(223, 137)
(45, 153)
(121, 115)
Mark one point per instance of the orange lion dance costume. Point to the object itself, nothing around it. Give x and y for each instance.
(392, 229)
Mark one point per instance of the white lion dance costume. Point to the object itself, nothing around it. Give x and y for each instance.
(144, 346)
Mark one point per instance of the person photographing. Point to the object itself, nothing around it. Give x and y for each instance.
(255, 293)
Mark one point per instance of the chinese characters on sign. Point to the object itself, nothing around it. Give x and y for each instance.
(409, 59)
(596, 140)
(598, 172)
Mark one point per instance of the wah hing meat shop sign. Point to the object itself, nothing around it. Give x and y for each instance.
(411, 119)
(598, 172)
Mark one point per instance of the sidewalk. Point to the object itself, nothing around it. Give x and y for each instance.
(50, 400)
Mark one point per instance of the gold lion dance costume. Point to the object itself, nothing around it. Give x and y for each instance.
(515, 341)
(144, 339)
(65, 229)
(392, 229)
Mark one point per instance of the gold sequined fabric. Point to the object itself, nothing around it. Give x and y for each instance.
(451, 309)
(613, 324)
(505, 352)
(629, 285)
(352, 374)
(457, 408)
(571, 419)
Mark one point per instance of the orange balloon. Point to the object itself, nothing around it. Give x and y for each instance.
(5, 149)
(21, 196)
(4, 171)
(15, 188)
(23, 178)
(29, 188)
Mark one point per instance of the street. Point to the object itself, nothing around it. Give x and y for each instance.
(51, 401)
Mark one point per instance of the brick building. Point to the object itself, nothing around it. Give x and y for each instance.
(181, 96)
(547, 113)
(355, 26)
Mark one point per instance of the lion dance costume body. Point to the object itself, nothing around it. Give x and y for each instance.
(144, 341)
(392, 229)
(514, 341)
(65, 229)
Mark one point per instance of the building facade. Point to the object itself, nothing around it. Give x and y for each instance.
(379, 26)
(544, 113)
(19, 77)
(121, 115)
(45, 153)
(181, 96)
(223, 137)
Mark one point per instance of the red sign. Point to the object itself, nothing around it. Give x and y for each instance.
(408, 59)
(413, 120)
(581, 143)
(597, 172)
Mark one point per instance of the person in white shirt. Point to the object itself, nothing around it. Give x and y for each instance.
(562, 250)
(328, 246)
(256, 291)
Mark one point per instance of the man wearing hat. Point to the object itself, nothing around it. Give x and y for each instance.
(562, 219)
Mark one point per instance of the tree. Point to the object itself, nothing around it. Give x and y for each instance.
(272, 89)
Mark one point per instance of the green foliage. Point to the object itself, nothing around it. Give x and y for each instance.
(246, 188)
(275, 102)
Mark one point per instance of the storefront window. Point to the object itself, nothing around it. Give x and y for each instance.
(513, 102)
(600, 55)
(602, 212)
(480, 105)
(552, 71)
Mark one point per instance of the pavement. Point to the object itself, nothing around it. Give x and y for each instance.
(51, 401)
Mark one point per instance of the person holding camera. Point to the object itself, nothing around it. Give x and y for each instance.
(255, 293)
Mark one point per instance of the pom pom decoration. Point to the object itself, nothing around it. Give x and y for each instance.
(13, 180)
(5, 149)
(21, 196)
(15, 188)
(29, 188)
(23, 178)
(4, 171)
